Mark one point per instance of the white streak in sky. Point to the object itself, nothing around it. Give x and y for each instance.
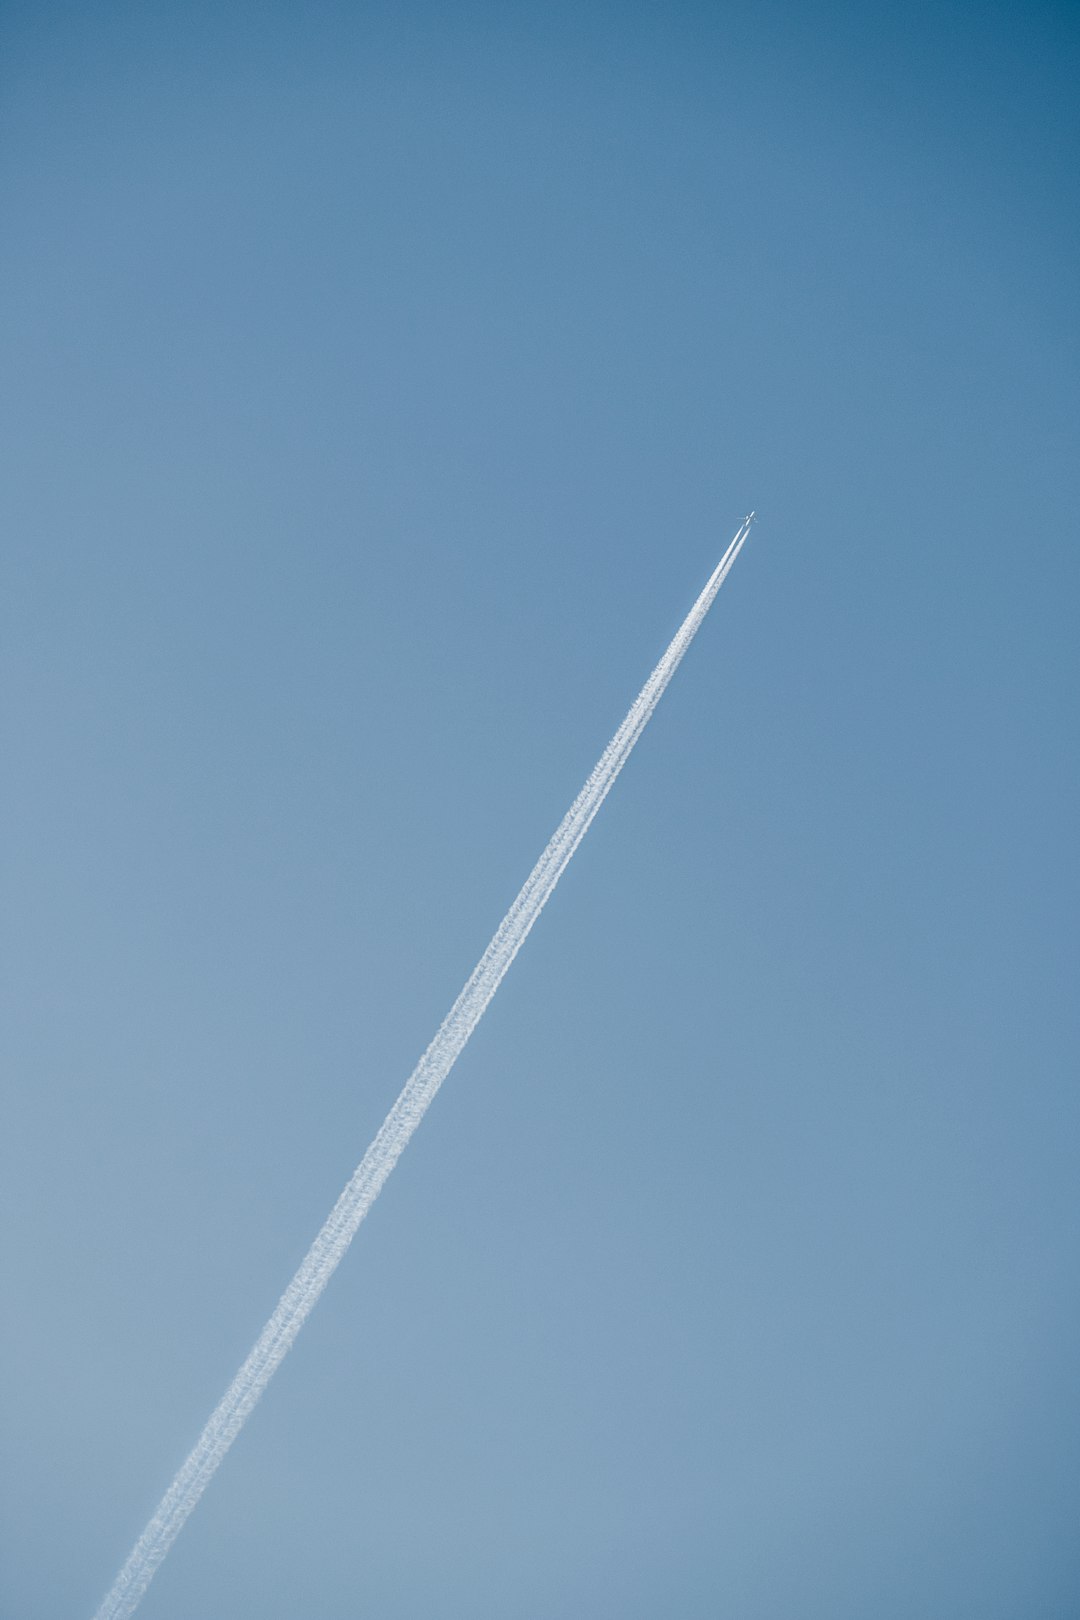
(322, 1258)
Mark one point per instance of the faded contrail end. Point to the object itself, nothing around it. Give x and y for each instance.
(321, 1260)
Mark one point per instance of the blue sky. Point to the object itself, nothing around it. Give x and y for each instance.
(382, 385)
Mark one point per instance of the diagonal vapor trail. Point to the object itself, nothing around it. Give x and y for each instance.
(339, 1229)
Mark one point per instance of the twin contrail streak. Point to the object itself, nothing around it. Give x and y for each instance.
(323, 1257)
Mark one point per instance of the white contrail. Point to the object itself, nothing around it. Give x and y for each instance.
(322, 1258)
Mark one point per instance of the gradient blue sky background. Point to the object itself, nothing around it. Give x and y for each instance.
(381, 385)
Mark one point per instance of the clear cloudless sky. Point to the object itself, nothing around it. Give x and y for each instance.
(380, 385)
